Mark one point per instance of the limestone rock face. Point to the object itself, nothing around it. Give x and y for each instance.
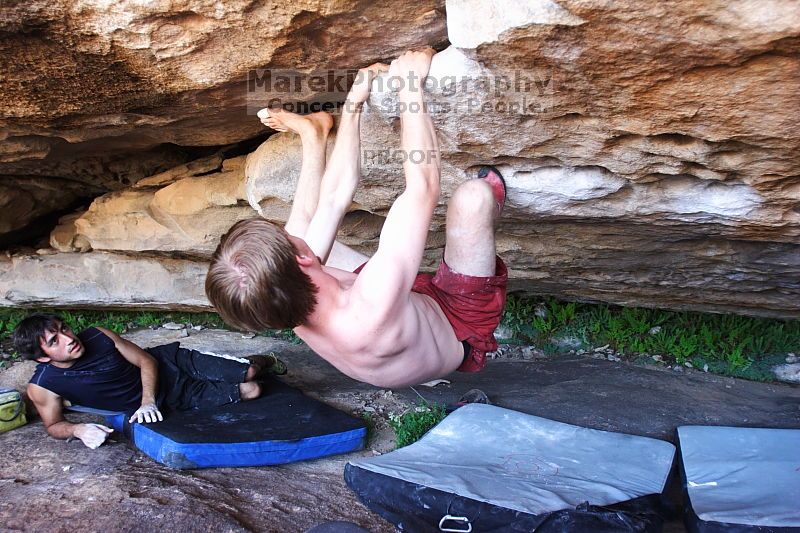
(187, 215)
(639, 179)
(271, 174)
(166, 72)
(24, 199)
(649, 156)
(650, 151)
(99, 279)
(65, 238)
(108, 93)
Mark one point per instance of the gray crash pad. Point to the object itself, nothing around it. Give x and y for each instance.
(736, 477)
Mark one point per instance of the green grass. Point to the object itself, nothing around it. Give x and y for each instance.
(369, 421)
(410, 426)
(117, 321)
(728, 344)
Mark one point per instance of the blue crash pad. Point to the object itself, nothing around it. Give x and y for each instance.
(283, 426)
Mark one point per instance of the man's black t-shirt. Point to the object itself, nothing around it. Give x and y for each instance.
(101, 378)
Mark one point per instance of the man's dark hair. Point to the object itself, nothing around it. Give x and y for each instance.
(31, 330)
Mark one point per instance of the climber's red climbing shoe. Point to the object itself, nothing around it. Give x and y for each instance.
(493, 177)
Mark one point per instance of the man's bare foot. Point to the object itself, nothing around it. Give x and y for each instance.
(250, 390)
(317, 124)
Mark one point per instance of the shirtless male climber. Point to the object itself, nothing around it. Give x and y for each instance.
(375, 319)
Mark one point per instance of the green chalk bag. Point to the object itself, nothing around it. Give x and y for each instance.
(12, 410)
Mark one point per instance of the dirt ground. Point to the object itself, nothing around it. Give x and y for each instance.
(53, 485)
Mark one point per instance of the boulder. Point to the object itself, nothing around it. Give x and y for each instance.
(660, 218)
(65, 238)
(187, 215)
(665, 178)
(100, 279)
(789, 373)
(111, 83)
(650, 153)
(16, 375)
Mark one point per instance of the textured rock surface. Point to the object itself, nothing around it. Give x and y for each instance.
(99, 279)
(25, 199)
(271, 174)
(665, 177)
(789, 373)
(185, 215)
(17, 375)
(624, 234)
(117, 488)
(64, 237)
(105, 94)
(651, 154)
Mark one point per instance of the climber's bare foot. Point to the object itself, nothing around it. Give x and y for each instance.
(316, 124)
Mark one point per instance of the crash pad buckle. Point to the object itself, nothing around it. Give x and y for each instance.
(460, 520)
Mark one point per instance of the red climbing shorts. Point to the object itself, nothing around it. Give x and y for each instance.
(473, 306)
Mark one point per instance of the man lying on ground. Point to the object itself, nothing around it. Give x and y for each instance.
(375, 319)
(100, 370)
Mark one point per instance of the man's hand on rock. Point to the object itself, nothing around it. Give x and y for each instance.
(92, 435)
(408, 72)
(148, 412)
(359, 91)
